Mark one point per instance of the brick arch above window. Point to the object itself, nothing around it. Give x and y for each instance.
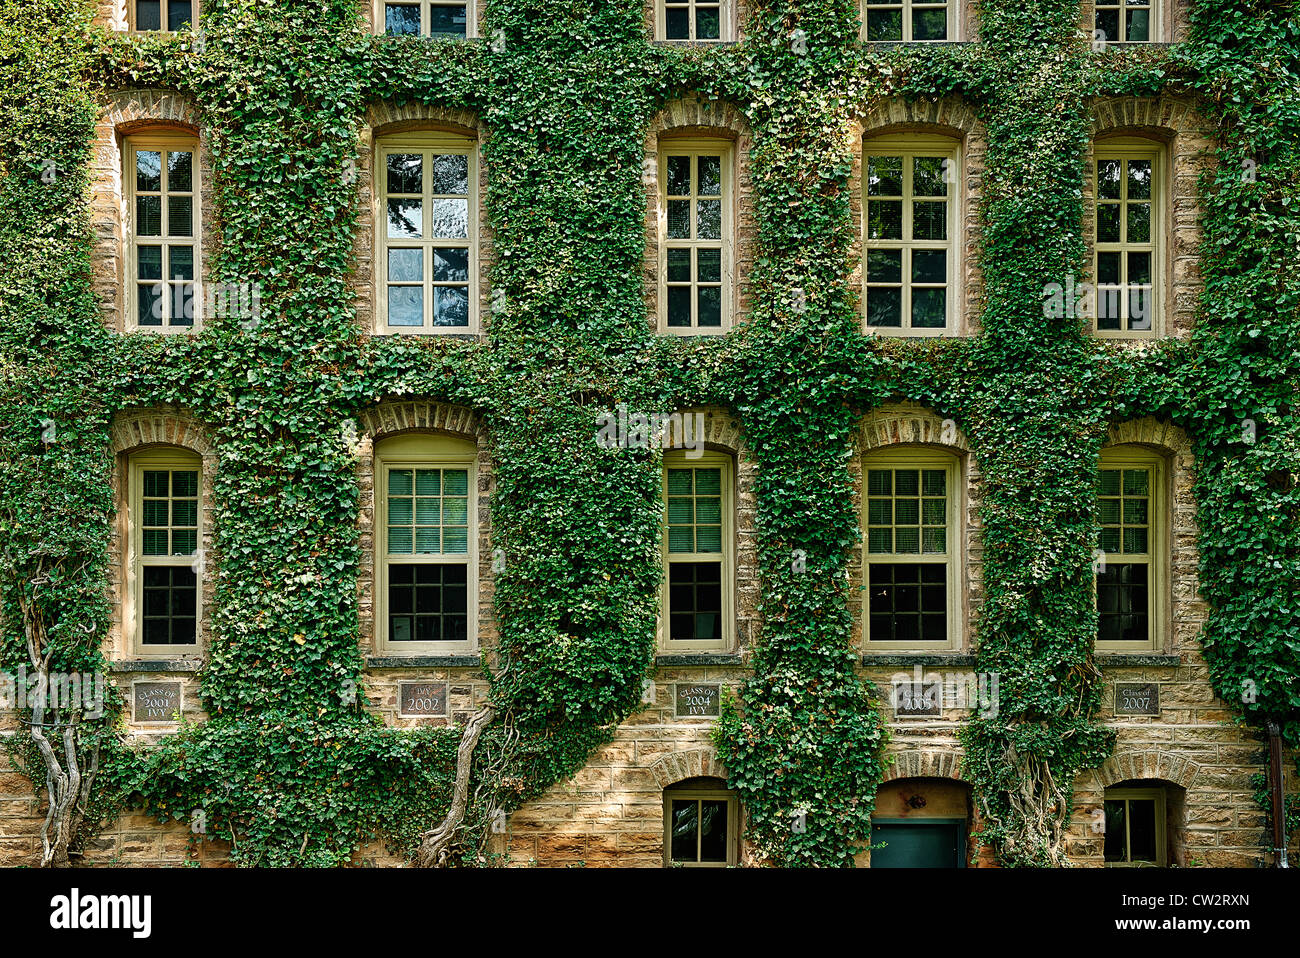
(1145, 765)
(172, 426)
(393, 417)
(916, 763)
(686, 764)
(1149, 431)
(910, 424)
(722, 431)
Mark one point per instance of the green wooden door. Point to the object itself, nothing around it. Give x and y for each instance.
(927, 843)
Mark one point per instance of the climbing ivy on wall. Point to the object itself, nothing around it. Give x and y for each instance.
(290, 766)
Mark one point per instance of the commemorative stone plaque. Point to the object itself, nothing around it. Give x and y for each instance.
(157, 703)
(697, 700)
(917, 699)
(420, 699)
(1137, 698)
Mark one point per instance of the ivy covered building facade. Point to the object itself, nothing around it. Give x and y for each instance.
(691, 434)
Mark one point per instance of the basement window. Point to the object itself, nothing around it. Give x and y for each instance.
(161, 15)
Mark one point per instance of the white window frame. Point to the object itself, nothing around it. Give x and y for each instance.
(953, 16)
(471, 15)
(424, 451)
(163, 142)
(1127, 148)
(908, 147)
(170, 458)
(695, 147)
(1128, 456)
(427, 144)
(919, 458)
(708, 459)
(726, 21)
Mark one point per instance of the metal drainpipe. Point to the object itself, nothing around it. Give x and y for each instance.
(1275, 782)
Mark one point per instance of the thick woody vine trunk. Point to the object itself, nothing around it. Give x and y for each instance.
(1037, 809)
(436, 844)
(68, 776)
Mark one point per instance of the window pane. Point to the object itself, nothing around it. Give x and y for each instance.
(1138, 28)
(149, 304)
(451, 265)
(710, 307)
(885, 265)
(451, 173)
(709, 263)
(402, 19)
(713, 830)
(1115, 831)
(1139, 267)
(1108, 268)
(447, 21)
(929, 309)
(885, 220)
(678, 25)
(406, 265)
(930, 24)
(930, 266)
(710, 176)
(710, 219)
(884, 176)
(929, 221)
(1139, 223)
(451, 305)
(405, 306)
(679, 306)
(679, 264)
(148, 15)
(1108, 223)
(1142, 830)
(1108, 25)
(450, 219)
(707, 23)
(148, 215)
(405, 219)
(1139, 179)
(679, 219)
(149, 262)
(685, 830)
(679, 176)
(178, 14)
(884, 306)
(405, 172)
(884, 25)
(180, 216)
(928, 176)
(180, 172)
(1108, 174)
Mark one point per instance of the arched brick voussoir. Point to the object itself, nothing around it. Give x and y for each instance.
(167, 425)
(391, 417)
(689, 763)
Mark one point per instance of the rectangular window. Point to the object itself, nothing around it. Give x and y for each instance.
(1125, 21)
(167, 15)
(910, 227)
(693, 20)
(908, 20)
(1127, 246)
(697, 552)
(164, 519)
(1128, 566)
(701, 828)
(1135, 827)
(163, 243)
(426, 544)
(911, 580)
(428, 229)
(427, 18)
(695, 236)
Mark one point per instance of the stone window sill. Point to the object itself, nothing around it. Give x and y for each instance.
(421, 661)
(156, 665)
(907, 659)
(1137, 660)
(733, 659)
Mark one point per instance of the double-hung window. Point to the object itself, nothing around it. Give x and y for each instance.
(1126, 21)
(912, 569)
(695, 229)
(898, 20)
(910, 205)
(1130, 561)
(698, 551)
(426, 544)
(427, 18)
(427, 227)
(164, 519)
(163, 249)
(165, 15)
(1127, 252)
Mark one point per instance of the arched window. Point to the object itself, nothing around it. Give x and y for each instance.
(909, 20)
(696, 213)
(911, 202)
(1130, 185)
(911, 515)
(163, 560)
(701, 824)
(163, 243)
(426, 544)
(699, 551)
(165, 15)
(1131, 564)
(425, 18)
(427, 233)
